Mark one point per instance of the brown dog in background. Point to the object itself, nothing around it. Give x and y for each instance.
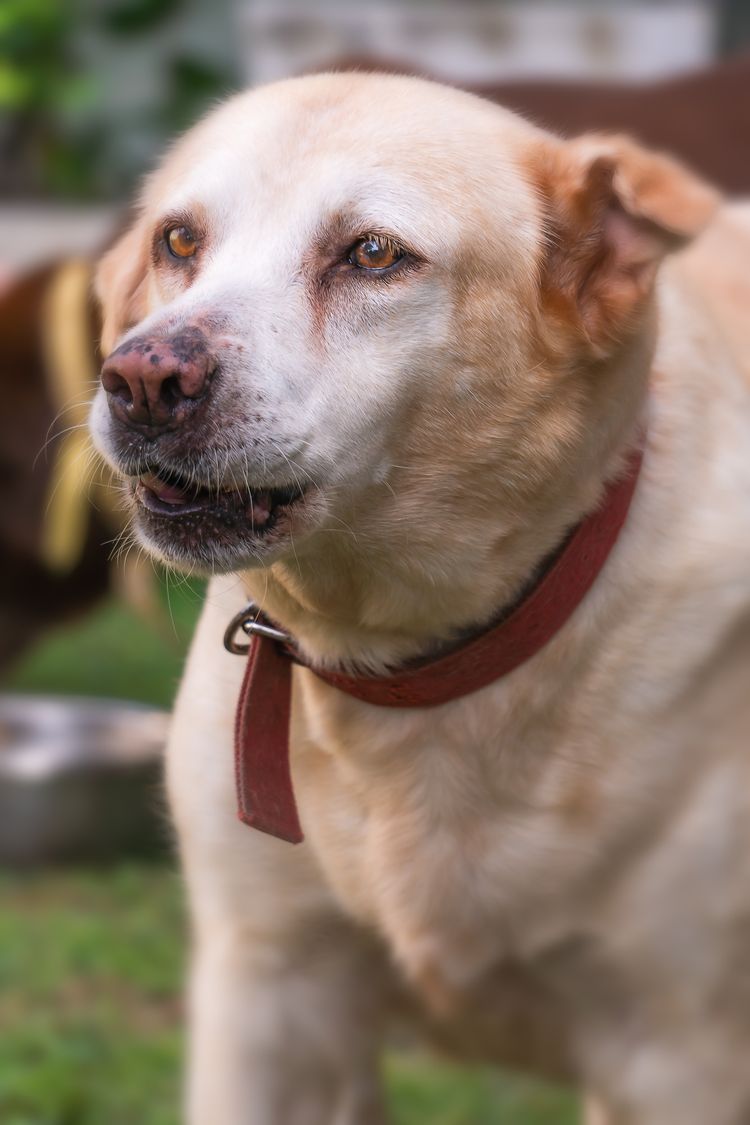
(36, 592)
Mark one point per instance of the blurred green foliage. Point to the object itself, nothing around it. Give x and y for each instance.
(114, 651)
(67, 129)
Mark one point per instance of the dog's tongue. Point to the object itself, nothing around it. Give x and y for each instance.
(259, 508)
(168, 493)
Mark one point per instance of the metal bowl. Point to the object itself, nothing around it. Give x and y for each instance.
(80, 779)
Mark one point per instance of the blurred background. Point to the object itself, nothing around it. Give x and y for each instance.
(92, 636)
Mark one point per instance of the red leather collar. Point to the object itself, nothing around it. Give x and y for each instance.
(263, 776)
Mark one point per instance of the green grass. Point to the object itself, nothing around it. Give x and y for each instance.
(427, 1092)
(91, 962)
(90, 970)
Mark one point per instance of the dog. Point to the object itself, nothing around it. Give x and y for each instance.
(462, 408)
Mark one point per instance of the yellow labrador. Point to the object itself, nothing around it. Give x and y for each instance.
(378, 349)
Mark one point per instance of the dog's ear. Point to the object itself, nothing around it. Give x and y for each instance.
(121, 284)
(612, 210)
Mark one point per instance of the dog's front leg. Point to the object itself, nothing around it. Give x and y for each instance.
(283, 1033)
(594, 1113)
(287, 995)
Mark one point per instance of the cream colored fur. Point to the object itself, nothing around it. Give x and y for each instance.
(554, 871)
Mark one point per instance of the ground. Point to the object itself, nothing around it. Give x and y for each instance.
(91, 960)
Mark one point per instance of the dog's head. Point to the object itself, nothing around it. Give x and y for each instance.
(375, 304)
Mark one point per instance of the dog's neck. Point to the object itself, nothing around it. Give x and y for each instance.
(349, 610)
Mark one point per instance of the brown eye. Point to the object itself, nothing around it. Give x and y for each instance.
(181, 242)
(375, 253)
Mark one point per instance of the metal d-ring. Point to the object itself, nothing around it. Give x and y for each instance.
(250, 621)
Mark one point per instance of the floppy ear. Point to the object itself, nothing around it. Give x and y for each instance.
(120, 285)
(612, 211)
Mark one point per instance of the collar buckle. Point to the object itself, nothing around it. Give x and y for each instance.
(253, 623)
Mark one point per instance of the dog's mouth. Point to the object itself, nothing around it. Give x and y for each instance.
(219, 527)
(167, 495)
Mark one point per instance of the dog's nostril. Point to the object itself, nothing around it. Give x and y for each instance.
(171, 392)
(116, 385)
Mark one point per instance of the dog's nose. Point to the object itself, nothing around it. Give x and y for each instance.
(155, 384)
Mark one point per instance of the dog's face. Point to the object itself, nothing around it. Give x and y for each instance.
(372, 304)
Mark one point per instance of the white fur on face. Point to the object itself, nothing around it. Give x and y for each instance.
(318, 369)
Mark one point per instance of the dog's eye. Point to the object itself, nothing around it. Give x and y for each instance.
(374, 253)
(181, 241)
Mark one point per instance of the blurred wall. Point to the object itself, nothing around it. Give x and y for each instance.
(478, 40)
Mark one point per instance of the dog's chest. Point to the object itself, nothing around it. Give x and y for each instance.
(451, 833)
